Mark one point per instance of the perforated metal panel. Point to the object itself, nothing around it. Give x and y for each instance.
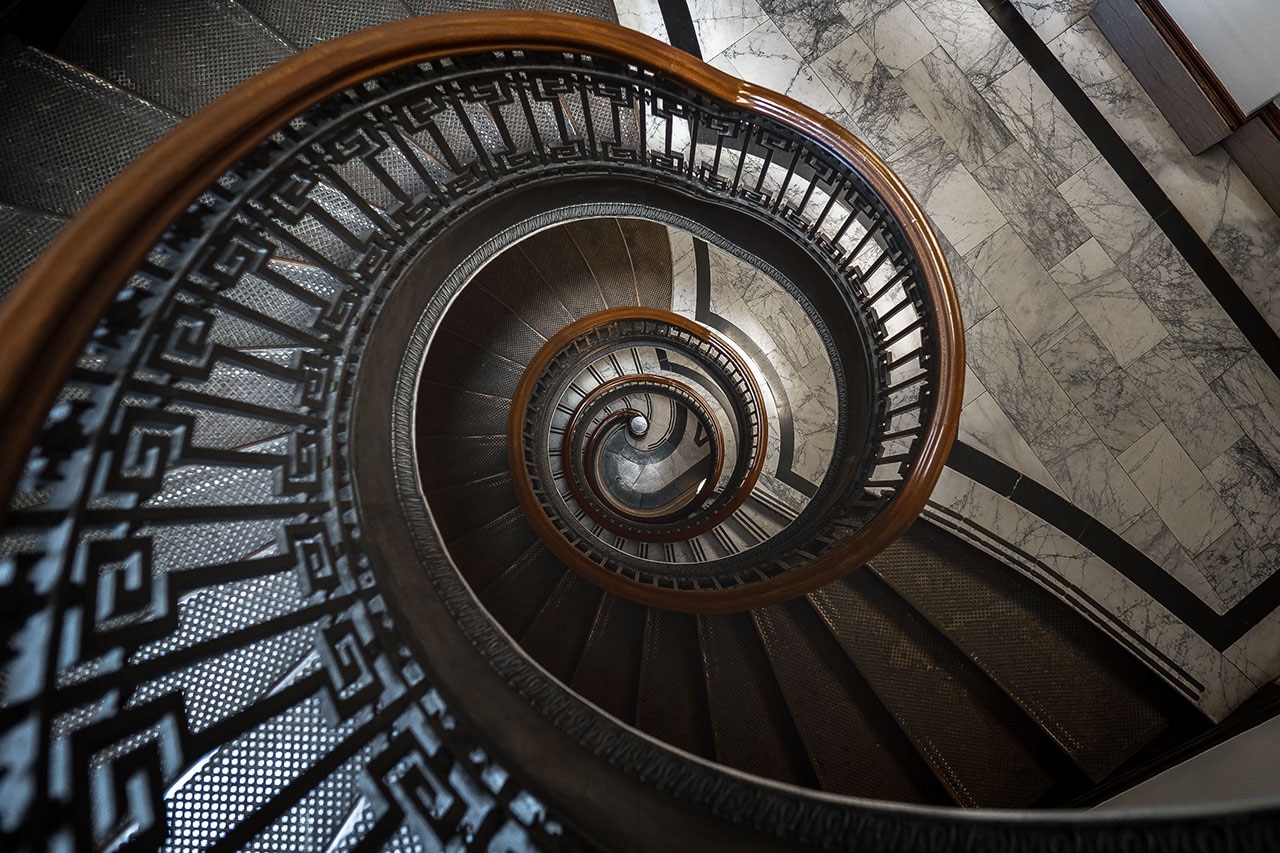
(26, 233)
(309, 22)
(178, 53)
(66, 133)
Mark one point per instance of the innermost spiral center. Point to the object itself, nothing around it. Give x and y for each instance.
(638, 426)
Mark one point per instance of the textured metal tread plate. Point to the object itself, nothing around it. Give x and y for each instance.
(26, 233)
(486, 552)
(602, 9)
(309, 22)
(450, 410)
(178, 53)
(66, 133)
(753, 728)
(608, 672)
(561, 265)
(517, 595)
(512, 280)
(974, 737)
(603, 245)
(458, 361)
(672, 700)
(1099, 705)
(854, 744)
(651, 257)
(450, 460)
(460, 509)
(559, 632)
(477, 316)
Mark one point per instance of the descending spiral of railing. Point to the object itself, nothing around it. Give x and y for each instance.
(172, 444)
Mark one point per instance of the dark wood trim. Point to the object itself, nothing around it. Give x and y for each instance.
(1270, 116)
(1196, 66)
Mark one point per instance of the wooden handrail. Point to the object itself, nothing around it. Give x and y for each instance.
(51, 312)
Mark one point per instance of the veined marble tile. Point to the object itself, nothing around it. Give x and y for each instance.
(985, 426)
(1018, 282)
(970, 36)
(1184, 306)
(1077, 360)
(897, 37)
(972, 387)
(1257, 653)
(1173, 484)
(1041, 216)
(1050, 17)
(1235, 565)
(719, 23)
(1108, 398)
(644, 16)
(949, 194)
(955, 109)
(1106, 207)
(975, 300)
(1250, 487)
(858, 12)
(1118, 411)
(877, 104)
(1017, 380)
(1246, 239)
(1108, 302)
(766, 57)
(1185, 402)
(684, 273)
(1089, 475)
(1252, 394)
(1038, 120)
(1150, 536)
(812, 26)
(1095, 589)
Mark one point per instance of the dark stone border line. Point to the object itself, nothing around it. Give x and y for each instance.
(1149, 193)
(679, 23)
(1220, 631)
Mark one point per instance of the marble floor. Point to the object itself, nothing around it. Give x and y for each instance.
(1107, 388)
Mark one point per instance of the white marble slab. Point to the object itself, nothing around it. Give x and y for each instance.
(984, 426)
(1050, 17)
(719, 23)
(952, 198)
(1185, 402)
(812, 26)
(1089, 475)
(643, 16)
(1038, 120)
(766, 57)
(1149, 534)
(1018, 282)
(1252, 394)
(969, 36)
(1173, 484)
(1042, 217)
(955, 109)
(1108, 302)
(1017, 380)
(897, 37)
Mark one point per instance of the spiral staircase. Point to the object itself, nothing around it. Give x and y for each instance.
(498, 431)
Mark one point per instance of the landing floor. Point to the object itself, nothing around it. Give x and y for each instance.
(1121, 434)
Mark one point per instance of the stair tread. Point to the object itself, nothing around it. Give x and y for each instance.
(448, 460)
(512, 280)
(752, 726)
(854, 744)
(562, 266)
(650, 249)
(608, 672)
(556, 636)
(309, 22)
(1099, 707)
(466, 364)
(147, 46)
(67, 132)
(450, 410)
(477, 316)
(461, 508)
(487, 552)
(603, 246)
(978, 742)
(516, 594)
(26, 233)
(672, 698)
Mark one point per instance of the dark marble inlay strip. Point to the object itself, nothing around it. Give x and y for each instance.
(1135, 176)
(1220, 631)
(679, 24)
